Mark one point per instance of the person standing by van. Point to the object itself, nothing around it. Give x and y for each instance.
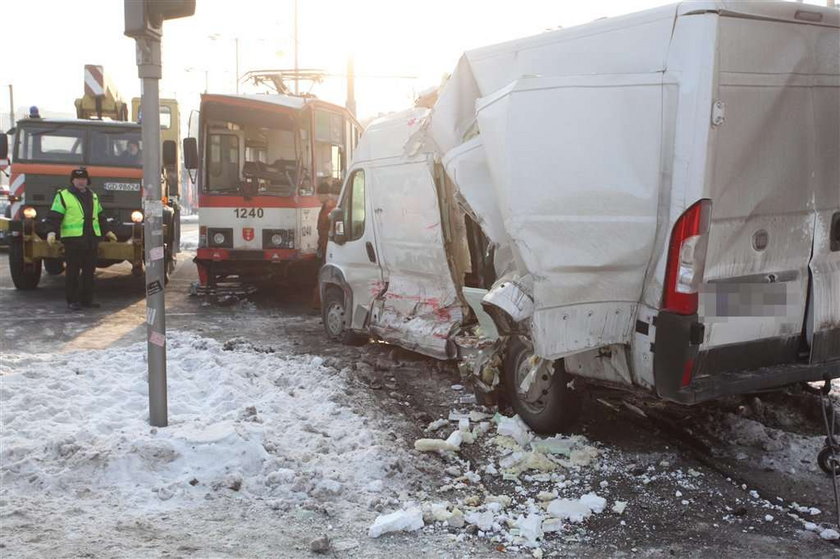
(75, 213)
(328, 195)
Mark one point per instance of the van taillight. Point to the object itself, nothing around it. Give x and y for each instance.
(202, 236)
(687, 259)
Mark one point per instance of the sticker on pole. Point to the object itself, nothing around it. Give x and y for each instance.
(153, 207)
(156, 253)
(153, 287)
(157, 338)
(150, 316)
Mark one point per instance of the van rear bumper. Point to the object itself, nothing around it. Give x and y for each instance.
(741, 382)
(684, 374)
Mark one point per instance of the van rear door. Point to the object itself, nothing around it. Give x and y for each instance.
(773, 184)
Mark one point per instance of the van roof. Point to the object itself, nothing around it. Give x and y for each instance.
(391, 135)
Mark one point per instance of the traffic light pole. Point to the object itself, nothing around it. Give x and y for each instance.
(149, 70)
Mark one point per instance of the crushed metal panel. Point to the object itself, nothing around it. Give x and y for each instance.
(466, 166)
(634, 43)
(420, 305)
(579, 192)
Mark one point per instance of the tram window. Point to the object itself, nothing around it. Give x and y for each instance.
(223, 162)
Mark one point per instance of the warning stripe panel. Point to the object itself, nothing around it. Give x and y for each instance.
(17, 184)
(94, 83)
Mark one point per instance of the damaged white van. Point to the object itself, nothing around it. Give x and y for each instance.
(650, 201)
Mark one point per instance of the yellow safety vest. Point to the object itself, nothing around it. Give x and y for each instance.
(73, 223)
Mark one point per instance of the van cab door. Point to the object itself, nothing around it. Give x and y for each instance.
(353, 249)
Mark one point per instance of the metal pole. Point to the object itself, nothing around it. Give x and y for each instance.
(351, 86)
(149, 70)
(297, 81)
(237, 65)
(11, 106)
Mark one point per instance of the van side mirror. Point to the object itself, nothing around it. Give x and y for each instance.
(4, 146)
(337, 233)
(170, 153)
(190, 154)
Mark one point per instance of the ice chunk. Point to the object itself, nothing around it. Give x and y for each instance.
(429, 445)
(400, 521)
(830, 534)
(515, 428)
(455, 439)
(436, 424)
(464, 424)
(581, 457)
(573, 511)
(595, 503)
(518, 462)
(503, 500)
(530, 528)
(484, 520)
(619, 506)
(552, 525)
(768, 518)
(458, 416)
(554, 445)
(456, 519)
(476, 416)
(440, 512)
(577, 511)
(546, 495)
(317, 361)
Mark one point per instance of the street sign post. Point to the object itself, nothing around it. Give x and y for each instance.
(144, 22)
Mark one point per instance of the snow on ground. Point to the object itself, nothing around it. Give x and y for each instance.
(189, 240)
(257, 423)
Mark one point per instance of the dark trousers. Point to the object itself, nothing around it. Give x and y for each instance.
(81, 265)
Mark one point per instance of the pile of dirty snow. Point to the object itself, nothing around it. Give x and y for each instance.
(549, 477)
(242, 422)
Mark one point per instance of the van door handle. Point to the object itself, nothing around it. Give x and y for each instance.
(371, 252)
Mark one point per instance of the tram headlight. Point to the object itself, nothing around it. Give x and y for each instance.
(137, 216)
(277, 239)
(29, 212)
(219, 238)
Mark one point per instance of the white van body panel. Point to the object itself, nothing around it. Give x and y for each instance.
(420, 304)
(576, 152)
(773, 185)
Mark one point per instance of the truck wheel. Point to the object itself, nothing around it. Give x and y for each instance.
(557, 405)
(24, 276)
(333, 312)
(54, 266)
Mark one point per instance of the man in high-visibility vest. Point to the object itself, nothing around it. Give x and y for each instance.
(75, 215)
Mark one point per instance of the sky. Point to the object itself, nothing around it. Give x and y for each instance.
(400, 48)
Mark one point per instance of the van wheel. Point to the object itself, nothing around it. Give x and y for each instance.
(25, 276)
(53, 266)
(333, 313)
(555, 407)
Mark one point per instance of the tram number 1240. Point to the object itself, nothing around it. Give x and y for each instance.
(248, 212)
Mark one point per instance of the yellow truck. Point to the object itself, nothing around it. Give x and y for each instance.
(44, 151)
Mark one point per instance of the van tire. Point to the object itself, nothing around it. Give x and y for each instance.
(24, 276)
(54, 266)
(333, 312)
(559, 406)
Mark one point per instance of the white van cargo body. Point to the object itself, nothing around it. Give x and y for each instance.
(651, 200)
